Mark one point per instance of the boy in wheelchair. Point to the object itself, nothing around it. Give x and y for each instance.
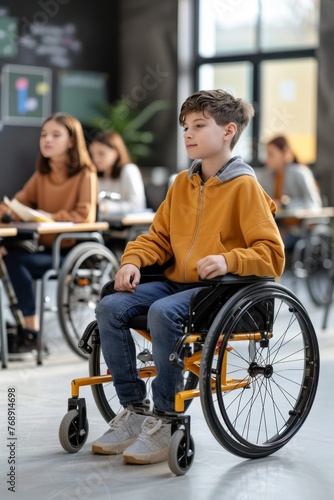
(216, 219)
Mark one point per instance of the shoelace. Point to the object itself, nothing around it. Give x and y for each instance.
(119, 419)
(151, 425)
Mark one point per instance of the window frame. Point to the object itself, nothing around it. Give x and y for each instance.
(256, 59)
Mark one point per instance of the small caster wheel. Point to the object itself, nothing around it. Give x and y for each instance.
(71, 438)
(179, 461)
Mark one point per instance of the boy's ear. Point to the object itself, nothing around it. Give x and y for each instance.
(230, 130)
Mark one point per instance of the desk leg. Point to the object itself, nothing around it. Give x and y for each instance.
(329, 303)
(3, 331)
(40, 307)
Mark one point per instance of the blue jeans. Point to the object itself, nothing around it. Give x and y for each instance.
(167, 306)
(23, 268)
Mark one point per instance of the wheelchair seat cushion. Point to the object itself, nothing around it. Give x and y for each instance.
(138, 322)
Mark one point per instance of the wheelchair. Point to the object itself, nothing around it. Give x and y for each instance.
(312, 259)
(249, 352)
(86, 268)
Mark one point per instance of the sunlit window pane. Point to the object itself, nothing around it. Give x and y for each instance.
(289, 24)
(289, 104)
(235, 78)
(227, 27)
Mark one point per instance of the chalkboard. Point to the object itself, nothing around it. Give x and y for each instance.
(80, 91)
(41, 42)
(8, 37)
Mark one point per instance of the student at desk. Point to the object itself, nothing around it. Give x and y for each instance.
(291, 185)
(64, 185)
(120, 182)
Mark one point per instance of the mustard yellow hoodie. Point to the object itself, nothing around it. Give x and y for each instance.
(230, 214)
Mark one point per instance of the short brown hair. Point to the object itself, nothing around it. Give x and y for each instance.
(222, 106)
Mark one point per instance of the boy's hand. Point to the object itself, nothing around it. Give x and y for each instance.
(211, 266)
(127, 278)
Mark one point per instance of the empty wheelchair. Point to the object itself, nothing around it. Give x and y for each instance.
(312, 261)
(249, 352)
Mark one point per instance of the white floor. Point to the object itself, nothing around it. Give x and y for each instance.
(302, 470)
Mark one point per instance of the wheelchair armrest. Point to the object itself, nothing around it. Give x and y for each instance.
(108, 288)
(235, 279)
(148, 274)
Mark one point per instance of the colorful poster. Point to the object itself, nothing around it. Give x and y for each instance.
(26, 94)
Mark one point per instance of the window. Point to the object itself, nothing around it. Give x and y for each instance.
(227, 27)
(288, 103)
(235, 77)
(289, 24)
(263, 51)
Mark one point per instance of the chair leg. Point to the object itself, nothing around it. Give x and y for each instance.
(3, 331)
(330, 297)
(329, 303)
(40, 308)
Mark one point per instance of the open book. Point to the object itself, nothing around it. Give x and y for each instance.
(25, 213)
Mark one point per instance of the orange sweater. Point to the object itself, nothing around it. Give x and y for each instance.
(65, 198)
(233, 218)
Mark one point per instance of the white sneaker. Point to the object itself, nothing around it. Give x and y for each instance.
(151, 445)
(124, 430)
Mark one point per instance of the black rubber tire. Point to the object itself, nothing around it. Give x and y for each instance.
(90, 263)
(71, 439)
(267, 387)
(318, 264)
(178, 460)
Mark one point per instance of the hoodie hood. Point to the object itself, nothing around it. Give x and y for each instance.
(235, 167)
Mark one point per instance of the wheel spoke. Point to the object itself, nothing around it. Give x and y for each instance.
(266, 380)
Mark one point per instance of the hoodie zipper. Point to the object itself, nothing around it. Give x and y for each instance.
(200, 204)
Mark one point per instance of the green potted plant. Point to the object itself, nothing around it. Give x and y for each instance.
(128, 122)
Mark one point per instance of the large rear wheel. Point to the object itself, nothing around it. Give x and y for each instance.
(259, 370)
(85, 270)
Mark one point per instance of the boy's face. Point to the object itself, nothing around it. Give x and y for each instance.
(203, 138)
